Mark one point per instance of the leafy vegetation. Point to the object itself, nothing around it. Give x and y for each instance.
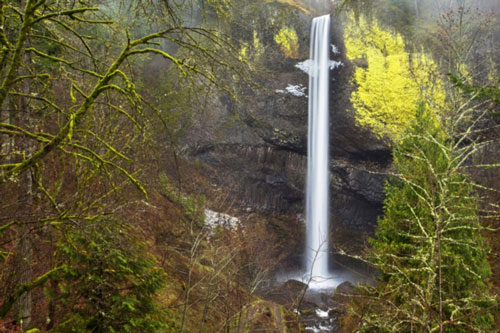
(76, 123)
(428, 246)
(390, 80)
(434, 264)
(288, 42)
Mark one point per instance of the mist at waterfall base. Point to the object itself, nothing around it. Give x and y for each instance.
(316, 273)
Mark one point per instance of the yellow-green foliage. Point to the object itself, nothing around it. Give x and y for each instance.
(251, 51)
(391, 82)
(243, 56)
(257, 45)
(222, 7)
(493, 73)
(288, 41)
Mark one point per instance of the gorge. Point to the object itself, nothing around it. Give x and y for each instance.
(238, 166)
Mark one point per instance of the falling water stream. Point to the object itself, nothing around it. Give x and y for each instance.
(319, 277)
(316, 253)
(316, 272)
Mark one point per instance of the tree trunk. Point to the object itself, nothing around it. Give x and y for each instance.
(25, 209)
(24, 274)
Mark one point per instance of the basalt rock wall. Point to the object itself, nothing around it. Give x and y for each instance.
(257, 148)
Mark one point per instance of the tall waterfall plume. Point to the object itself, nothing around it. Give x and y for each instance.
(317, 202)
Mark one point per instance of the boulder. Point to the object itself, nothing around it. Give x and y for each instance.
(289, 293)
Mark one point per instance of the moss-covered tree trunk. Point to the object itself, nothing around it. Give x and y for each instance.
(24, 249)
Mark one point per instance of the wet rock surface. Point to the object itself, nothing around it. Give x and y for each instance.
(319, 310)
(289, 293)
(258, 177)
(258, 148)
(328, 307)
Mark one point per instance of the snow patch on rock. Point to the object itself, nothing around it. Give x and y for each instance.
(295, 90)
(305, 66)
(214, 219)
(334, 64)
(335, 49)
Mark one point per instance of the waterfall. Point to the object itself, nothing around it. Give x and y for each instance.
(316, 253)
(316, 272)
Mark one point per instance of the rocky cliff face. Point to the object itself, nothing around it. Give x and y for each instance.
(258, 147)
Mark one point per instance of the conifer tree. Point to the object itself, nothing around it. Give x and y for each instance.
(108, 281)
(428, 246)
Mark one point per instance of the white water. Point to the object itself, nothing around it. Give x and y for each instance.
(316, 254)
(316, 272)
